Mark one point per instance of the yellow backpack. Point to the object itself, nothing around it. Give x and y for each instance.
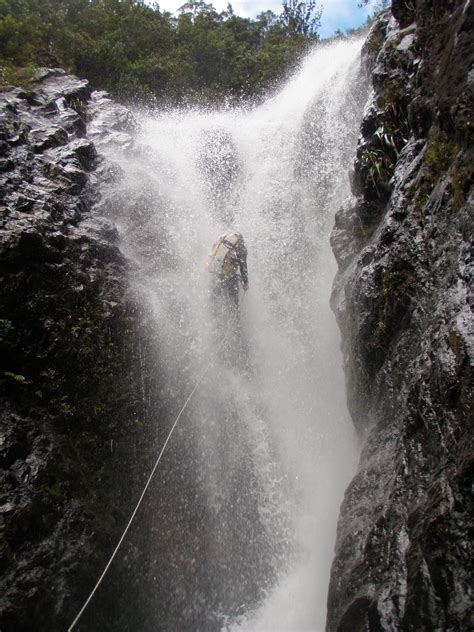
(221, 259)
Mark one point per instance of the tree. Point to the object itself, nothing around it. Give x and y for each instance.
(301, 18)
(267, 19)
(197, 8)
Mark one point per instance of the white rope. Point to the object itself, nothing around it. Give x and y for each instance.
(198, 383)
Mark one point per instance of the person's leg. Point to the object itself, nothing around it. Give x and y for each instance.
(233, 292)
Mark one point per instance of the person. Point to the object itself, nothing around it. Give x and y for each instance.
(228, 263)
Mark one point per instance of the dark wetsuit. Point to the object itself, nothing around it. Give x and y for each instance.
(227, 286)
(232, 269)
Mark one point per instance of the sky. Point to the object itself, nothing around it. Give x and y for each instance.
(340, 14)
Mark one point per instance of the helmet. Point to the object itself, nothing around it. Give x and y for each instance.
(234, 237)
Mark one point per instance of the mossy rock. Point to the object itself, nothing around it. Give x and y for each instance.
(390, 309)
(439, 159)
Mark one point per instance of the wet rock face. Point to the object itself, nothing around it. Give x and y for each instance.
(403, 301)
(70, 409)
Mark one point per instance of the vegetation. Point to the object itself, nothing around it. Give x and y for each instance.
(440, 153)
(438, 159)
(374, 44)
(395, 302)
(136, 51)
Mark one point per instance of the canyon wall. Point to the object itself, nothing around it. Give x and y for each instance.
(73, 422)
(403, 301)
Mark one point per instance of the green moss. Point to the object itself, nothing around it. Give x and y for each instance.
(440, 152)
(374, 44)
(369, 229)
(377, 336)
(439, 156)
(11, 75)
(6, 326)
(390, 94)
(7, 331)
(392, 100)
(395, 56)
(53, 490)
(461, 179)
(397, 282)
(397, 286)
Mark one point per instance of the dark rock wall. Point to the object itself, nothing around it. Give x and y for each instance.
(72, 403)
(87, 400)
(403, 301)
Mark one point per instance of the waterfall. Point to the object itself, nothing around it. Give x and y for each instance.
(244, 512)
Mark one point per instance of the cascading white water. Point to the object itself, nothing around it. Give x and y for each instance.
(275, 409)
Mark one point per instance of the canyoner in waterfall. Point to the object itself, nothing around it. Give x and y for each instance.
(227, 262)
(227, 258)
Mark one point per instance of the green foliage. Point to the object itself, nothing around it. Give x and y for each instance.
(17, 76)
(374, 44)
(301, 18)
(397, 282)
(19, 379)
(372, 162)
(6, 333)
(391, 134)
(438, 159)
(377, 162)
(392, 99)
(137, 51)
(440, 152)
(395, 301)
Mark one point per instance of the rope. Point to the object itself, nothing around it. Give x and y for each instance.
(134, 513)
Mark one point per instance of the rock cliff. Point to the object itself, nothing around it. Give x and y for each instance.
(71, 369)
(403, 301)
(84, 407)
